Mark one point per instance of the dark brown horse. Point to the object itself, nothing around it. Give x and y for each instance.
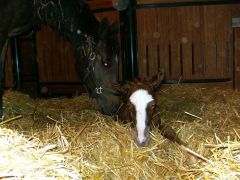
(95, 42)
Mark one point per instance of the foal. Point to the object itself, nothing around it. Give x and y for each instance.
(138, 107)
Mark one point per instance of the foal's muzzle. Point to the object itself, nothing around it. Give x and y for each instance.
(146, 140)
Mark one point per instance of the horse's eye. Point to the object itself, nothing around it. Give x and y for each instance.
(106, 64)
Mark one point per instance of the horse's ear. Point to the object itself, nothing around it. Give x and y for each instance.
(103, 28)
(114, 27)
(123, 88)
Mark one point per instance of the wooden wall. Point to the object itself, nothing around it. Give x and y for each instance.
(9, 82)
(56, 57)
(194, 42)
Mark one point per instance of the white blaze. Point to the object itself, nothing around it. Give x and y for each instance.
(140, 100)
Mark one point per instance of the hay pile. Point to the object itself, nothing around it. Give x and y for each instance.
(68, 139)
(29, 158)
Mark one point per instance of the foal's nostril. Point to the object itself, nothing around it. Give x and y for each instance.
(145, 141)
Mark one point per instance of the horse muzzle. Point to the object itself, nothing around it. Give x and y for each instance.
(108, 104)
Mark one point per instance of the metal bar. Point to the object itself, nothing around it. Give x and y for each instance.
(16, 63)
(196, 81)
(133, 39)
(236, 22)
(195, 3)
(123, 43)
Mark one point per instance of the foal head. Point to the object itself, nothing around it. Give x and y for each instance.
(139, 106)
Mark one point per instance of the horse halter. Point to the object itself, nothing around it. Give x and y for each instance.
(87, 50)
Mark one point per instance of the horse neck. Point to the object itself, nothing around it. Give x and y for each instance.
(88, 22)
(74, 29)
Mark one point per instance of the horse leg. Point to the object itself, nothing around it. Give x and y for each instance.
(167, 131)
(3, 50)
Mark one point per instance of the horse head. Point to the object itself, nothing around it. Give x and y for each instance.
(99, 66)
(96, 47)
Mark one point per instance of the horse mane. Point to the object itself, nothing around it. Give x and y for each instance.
(52, 13)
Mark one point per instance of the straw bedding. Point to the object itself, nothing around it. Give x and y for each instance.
(68, 139)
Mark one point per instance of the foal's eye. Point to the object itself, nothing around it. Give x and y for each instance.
(153, 105)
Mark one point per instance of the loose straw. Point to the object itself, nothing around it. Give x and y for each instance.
(11, 119)
(197, 155)
(190, 114)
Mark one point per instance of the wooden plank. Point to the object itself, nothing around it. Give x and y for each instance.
(56, 60)
(186, 42)
(96, 4)
(163, 42)
(175, 35)
(41, 55)
(141, 34)
(210, 40)
(199, 59)
(9, 83)
(152, 42)
(236, 81)
(197, 42)
(27, 55)
(167, 1)
(223, 29)
(235, 10)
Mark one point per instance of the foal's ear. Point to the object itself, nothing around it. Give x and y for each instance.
(122, 88)
(156, 80)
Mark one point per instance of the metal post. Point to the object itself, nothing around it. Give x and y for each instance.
(16, 64)
(124, 44)
(133, 39)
